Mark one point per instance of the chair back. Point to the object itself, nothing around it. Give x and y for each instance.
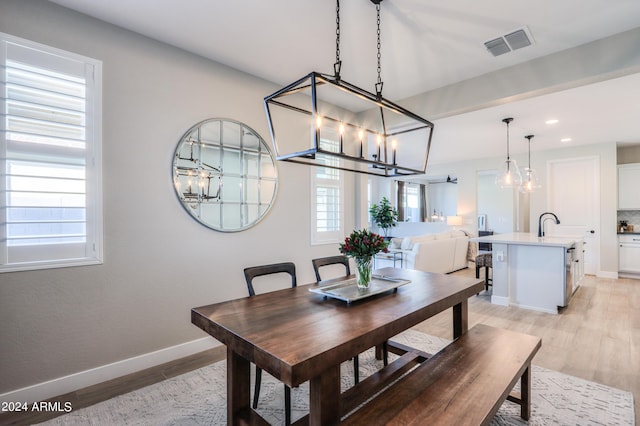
(331, 260)
(276, 268)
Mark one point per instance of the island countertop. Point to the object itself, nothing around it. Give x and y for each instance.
(526, 238)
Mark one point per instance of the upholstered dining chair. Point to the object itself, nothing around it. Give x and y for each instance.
(249, 275)
(344, 260)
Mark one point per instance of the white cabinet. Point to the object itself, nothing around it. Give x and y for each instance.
(629, 186)
(629, 253)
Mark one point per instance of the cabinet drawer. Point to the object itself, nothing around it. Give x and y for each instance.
(629, 257)
(629, 238)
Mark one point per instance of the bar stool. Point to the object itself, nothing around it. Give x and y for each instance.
(485, 261)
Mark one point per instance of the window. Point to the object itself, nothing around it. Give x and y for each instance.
(327, 200)
(411, 202)
(51, 209)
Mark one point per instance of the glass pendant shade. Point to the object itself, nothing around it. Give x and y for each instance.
(530, 181)
(510, 176)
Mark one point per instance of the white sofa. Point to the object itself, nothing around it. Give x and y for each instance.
(443, 252)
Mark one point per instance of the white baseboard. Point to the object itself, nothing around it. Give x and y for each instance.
(72, 382)
(536, 308)
(500, 300)
(607, 274)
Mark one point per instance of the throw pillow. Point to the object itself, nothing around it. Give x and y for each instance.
(407, 244)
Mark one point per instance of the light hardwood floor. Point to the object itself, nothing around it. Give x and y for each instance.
(596, 338)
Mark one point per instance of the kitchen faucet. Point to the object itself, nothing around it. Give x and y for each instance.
(541, 223)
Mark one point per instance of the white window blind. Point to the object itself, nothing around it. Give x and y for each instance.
(50, 141)
(327, 199)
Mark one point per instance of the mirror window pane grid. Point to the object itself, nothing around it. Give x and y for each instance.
(224, 175)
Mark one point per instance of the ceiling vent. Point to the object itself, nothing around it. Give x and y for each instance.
(516, 39)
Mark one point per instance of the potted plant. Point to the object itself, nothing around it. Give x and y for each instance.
(384, 215)
(362, 246)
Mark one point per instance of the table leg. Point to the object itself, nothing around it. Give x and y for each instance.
(525, 394)
(238, 387)
(460, 319)
(324, 397)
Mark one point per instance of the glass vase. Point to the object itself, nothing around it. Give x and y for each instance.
(363, 271)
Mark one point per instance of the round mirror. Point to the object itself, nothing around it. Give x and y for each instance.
(224, 175)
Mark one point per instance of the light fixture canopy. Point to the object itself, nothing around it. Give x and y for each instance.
(510, 176)
(322, 120)
(530, 181)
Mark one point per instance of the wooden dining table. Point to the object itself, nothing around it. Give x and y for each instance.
(297, 335)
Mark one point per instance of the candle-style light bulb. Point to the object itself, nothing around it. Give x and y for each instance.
(394, 144)
(317, 135)
(341, 129)
(379, 140)
(361, 137)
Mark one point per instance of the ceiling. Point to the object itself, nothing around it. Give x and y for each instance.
(426, 44)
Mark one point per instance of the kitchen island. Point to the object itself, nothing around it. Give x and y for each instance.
(535, 273)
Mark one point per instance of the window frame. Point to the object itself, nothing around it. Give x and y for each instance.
(327, 237)
(52, 255)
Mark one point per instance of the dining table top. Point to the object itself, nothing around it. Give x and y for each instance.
(294, 333)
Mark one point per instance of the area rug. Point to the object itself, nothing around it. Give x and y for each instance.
(199, 398)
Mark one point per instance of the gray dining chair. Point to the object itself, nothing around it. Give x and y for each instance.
(344, 260)
(249, 274)
(331, 260)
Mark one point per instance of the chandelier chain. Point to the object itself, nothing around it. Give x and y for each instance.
(378, 32)
(337, 31)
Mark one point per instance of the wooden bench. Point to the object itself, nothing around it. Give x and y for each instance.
(463, 384)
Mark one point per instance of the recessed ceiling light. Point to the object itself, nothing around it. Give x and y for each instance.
(552, 121)
(565, 140)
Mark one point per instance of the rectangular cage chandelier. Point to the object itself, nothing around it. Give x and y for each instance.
(322, 120)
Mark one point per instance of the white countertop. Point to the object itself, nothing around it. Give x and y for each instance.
(526, 238)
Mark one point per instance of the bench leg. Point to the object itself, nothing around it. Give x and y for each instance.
(525, 394)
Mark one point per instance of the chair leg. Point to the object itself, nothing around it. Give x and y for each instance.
(356, 370)
(486, 278)
(287, 405)
(256, 389)
(385, 353)
(287, 397)
(477, 271)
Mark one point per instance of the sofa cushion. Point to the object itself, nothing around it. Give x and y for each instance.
(407, 243)
(425, 237)
(395, 243)
(443, 235)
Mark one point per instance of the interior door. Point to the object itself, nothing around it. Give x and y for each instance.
(574, 195)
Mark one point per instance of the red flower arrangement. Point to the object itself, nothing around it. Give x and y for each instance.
(363, 244)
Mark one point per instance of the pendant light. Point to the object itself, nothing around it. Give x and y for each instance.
(530, 179)
(321, 120)
(510, 176)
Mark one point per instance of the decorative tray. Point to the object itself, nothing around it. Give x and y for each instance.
(349, 292)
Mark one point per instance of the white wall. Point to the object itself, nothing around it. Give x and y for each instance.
(496, 203)
(158, 262)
